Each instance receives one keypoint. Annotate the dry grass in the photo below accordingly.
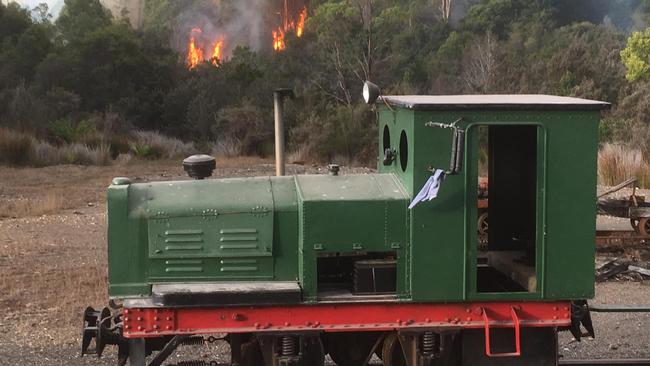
(15, 147)
(152, 144)
(227, 147)
(298, 156)
(23, 207)
(241, 161)
(617, 163)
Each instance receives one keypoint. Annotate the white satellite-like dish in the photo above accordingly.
(370, 92)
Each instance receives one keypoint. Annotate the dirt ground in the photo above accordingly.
(53, 264)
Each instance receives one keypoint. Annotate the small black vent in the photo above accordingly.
(199, 166)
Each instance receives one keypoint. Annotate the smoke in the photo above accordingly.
(238, 23)
(458, 10)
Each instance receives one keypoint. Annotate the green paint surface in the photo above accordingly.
(268, 228)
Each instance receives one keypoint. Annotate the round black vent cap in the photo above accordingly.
(199, 166)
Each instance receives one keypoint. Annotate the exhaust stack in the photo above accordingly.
(278, 100)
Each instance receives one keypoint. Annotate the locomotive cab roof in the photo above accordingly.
(493, 102)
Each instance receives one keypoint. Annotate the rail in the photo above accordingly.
(622, 362)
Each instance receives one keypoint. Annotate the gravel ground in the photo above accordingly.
(53, 265)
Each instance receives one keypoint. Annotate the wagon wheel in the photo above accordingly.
(313, 353)
(349, 349)
(641, 225)
(251, 354)
(483, 224)
(391, 352)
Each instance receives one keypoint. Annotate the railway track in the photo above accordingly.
(621, 362)
(598, 362)
(614, 239)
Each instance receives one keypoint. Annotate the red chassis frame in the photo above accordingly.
(158, 321)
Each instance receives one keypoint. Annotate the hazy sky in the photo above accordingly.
(55, 5)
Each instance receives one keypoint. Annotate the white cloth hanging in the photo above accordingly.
(430, 189)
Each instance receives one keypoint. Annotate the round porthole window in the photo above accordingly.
(403, 150)
(386, 138)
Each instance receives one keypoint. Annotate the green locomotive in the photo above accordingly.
(293, 268)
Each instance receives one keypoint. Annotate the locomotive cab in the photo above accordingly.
(537, 153)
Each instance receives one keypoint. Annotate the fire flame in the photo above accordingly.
(278, 40)
(288, 24)
(300, 28)
(217, 53)
(194, 54)
(196, 51)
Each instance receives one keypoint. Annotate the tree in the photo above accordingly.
(78, 18)
(636, 56)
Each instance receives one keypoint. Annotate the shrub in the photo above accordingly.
(70, 132)
(342, 132)
(86, 155)
(15, 148)
(243, 129)
(227, 147)
(45, 154)
(617, 163)
(145, 151)
(153, 145)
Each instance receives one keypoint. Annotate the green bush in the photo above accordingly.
(68, 131)
(145, 151)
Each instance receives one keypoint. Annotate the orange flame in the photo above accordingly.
(301, 22)
(278, 40)
(288, 25)
(217, 53)
(197, 51)
(194, 54)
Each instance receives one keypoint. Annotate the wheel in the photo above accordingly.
(350, 349)
(643, 226)
(313, 352)
(483, 224)
(391, 352)
(635, 224)
(137, 355)
(251, 354)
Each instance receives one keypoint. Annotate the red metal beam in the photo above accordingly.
(155, 322)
